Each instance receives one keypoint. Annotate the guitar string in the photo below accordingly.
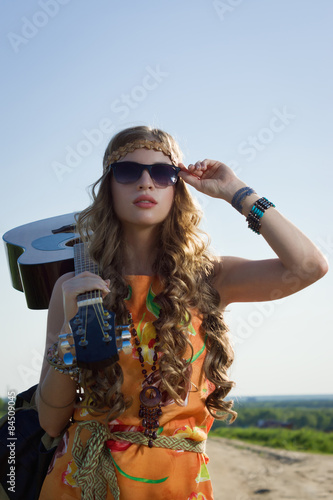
(98, 306)
(95, 294)
(84, 262)
(84, 316)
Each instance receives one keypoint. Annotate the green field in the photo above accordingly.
(312, 414)
(311, 420)
(296, 440)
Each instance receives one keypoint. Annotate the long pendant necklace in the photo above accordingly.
(150, 396)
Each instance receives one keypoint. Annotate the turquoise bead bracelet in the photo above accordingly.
(256, 213)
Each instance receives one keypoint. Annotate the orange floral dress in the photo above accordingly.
(144, 473)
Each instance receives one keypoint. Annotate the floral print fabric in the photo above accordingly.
(144, 472)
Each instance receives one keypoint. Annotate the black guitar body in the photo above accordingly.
(38, 253)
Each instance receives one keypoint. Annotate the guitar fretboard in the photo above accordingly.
(83, 262)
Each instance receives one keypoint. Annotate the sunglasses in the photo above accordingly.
(128, 172)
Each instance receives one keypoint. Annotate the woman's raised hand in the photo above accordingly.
(212, 177)
(83, 282)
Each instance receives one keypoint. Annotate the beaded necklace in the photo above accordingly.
(150, 396)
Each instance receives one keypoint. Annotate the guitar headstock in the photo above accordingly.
(94, 335)
(94, 331)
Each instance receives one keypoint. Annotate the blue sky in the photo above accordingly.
(244, 82)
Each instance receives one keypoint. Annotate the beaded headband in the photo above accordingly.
(139, 144)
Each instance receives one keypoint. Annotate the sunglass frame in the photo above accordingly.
(142, 168)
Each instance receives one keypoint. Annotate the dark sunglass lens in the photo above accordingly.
(126, 172)
(164, 175)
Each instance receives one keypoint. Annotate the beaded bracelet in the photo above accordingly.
(58, 364)
(239, 197)
(256, 213)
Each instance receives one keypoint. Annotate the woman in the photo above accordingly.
(139, 427)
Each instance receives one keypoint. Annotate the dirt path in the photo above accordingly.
(242, 471)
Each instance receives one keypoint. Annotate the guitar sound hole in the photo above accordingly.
(71, 243)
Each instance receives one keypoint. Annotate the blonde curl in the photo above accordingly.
(186, 269)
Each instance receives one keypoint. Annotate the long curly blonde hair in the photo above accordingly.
(185, 268)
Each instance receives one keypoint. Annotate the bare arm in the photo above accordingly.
(299, 262)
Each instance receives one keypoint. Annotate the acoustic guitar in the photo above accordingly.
(38, 254)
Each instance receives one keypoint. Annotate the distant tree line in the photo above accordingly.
(311, 416)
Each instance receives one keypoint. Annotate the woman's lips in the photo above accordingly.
(145, 201)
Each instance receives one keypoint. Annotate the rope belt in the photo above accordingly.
(95, 464)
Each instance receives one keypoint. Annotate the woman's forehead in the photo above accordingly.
(146, 156)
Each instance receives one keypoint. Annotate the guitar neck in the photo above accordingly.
(83, 262)
(94, 330)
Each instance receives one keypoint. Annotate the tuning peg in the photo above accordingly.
(65, 336)
(65, 346)
(80, 331)
(124, 329)
(68, 358)
(107, 338)
(126, 336)
(124, 342)
(83, 342)
(126, 347)
(77, 320)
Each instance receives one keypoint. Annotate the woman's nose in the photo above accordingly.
(145, 181)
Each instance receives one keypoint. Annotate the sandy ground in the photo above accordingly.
(242, 471)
